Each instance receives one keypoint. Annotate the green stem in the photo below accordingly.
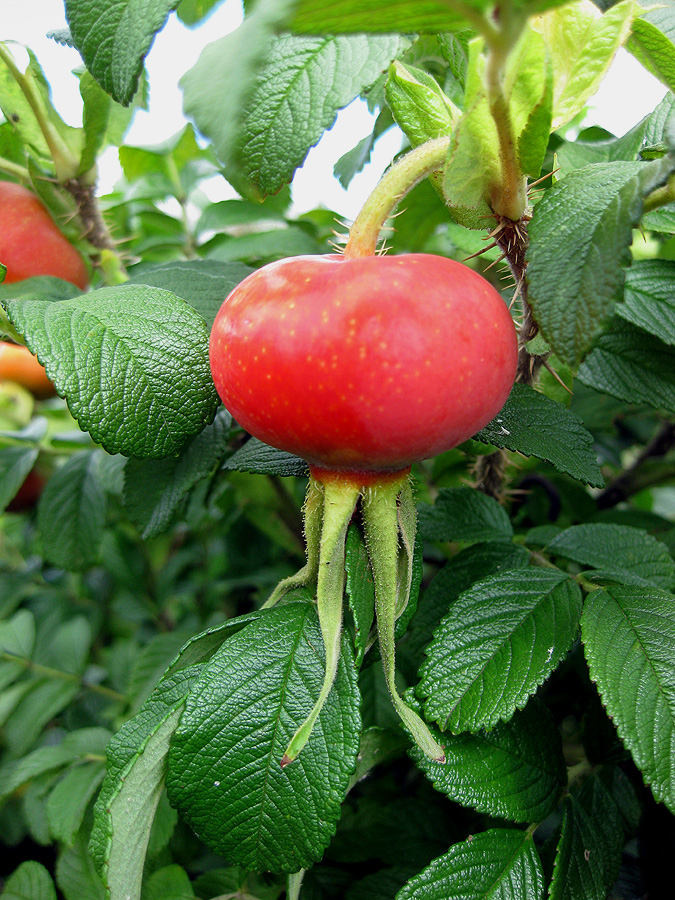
(65, 163)
(662, 196)
(12, 168)
(339, 502)
(381, 526)
(48, 671)
(401, 178)
(313, 515)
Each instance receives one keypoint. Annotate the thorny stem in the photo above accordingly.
(401, 178)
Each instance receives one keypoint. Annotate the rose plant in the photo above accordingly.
(353, 573)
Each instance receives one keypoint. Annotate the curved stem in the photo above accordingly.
(660, 197)
(12, 168)
(401, 178)
(339, 503)
(381, 525)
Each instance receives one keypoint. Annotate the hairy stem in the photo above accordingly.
(401, 178)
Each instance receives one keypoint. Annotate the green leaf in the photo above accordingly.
(299, 90)
(474, 171)
(68, 801)
(255, 692)
(76, 875)
(653, 49)
(580, 238)
(42, 703)
(71, 512)
(15, 464)
(648, 301)
(418, 104)
(632, 365)
(132, 362)
(133, 785)
(629, 641)
(72, 749)
(360, 589)
(30, 881)
(17, 635)
(582, 44)
(421, 16)
(201, 647)
(261, 459)
(113, 38)
(534, 425)
(169, 883)
(155, 488)
(472, 564)
(580, 153)
(204, 283)
(464, 514)
(579, 866)
(620, 552)
(515, 771)
(500, 640)
(499, 863)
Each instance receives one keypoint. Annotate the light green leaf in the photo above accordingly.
(652, 47)
(113, 38)
(155, 488)
(235, 795)
(619, 552)
(500, 640)
(632, 365)
(580, 236)
(31, 881)
(71, 512)
(499, 864)
(579, 868)
(76, 875)
(360, 589)
(298, 93)
(46, 699)
(464, 514)
(15, 464)
(169, 883)
(649, 301)
(629, 641)
(312, 17)
(534, 425)
(515, 771)
(133, 785)
(582, 44)
(420, 107)
(132, 362)
(68, 801)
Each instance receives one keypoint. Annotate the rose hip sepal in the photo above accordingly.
(362, 366)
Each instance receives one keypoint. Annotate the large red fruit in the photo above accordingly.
(364, 364)
(30, 242)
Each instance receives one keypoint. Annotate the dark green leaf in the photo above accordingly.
(68, 801)
(514, 771)
(579, 863)
(632, 365)
(261, 459)
(628, 554)
(464, 514)
(580, 236)
(132, 362)
(254, 693)
(168, 883)
(500, 863)
(535, 425)
(500, 640)
(76, 875)
(71, 512)
(204, 283)
(649, 301)
(114, 37)
(629, 640)
(155, 488)
(360, 589)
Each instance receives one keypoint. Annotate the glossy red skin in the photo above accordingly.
(30, 242)
(365, 364)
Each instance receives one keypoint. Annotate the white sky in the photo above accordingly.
(626, 96)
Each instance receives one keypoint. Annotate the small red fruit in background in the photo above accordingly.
(364, 364)
(31, 243)
(18, 364)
